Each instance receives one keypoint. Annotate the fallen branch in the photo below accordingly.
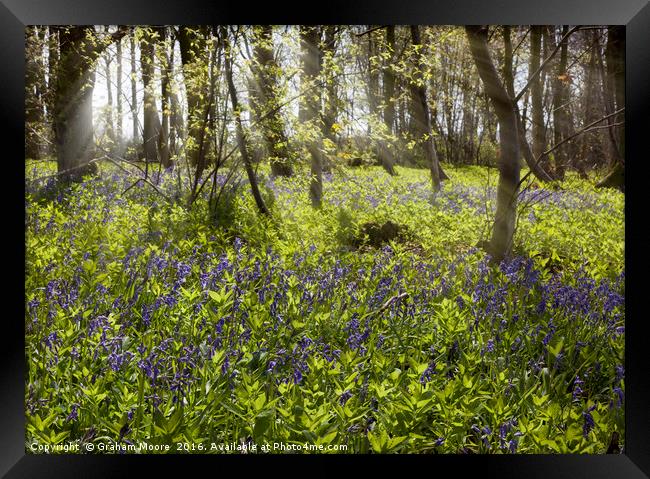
(387, 304)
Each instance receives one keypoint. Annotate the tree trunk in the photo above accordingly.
(331, 97)
(615, 57)
(110, 130)
(192, 48)
(73, 117)
(120, 120)
(421, 110)
(241, 140)
(504, 223)
(50, 100)
(373, 83)
(589, 147)
(134, 96)
(176, 124)
(265, 103)
(311, 64)
(165, 86)
(151, 124)
(524, 147)
(73, 109)
(560, 117)
(508, 75)
(537, 112)
(387, 157)
(34, 95)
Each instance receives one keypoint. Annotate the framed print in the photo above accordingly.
(388, 232)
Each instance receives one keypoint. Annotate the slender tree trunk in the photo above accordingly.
(615, 57)
(311, 63)
(504, 223)
(192, 47)
(537, 112)
(151, 125)
(589, 146)
(52, 62)
(609, 108)
(165, 86)
(73, 113)
(421, 111)
(120, 119)
(134, 96)
(387, 157)
(266, 100)
(34, 94)
(331, 101)
(73, 109)
(373, 82)
(110, 130)
(241, 140)
(176, 125)
(331, 86)
(524, 147)
(559, 108)
(508, 75)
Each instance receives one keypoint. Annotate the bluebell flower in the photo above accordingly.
(51, 340)
(428, 372)
(297, 376)
(620, 373)
(619, 396)
(589, 423)
(73, 413)
(512, 445)
(577, 389)
(345, 397)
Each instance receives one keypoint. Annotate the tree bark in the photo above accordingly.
(311, 64)
(331, 97)
(34, 94)
(120, 119)
(134, 96)
(373, 83)
(192, 48)
(165, 86)
(590, 148)
(241, 140)
(560, 117)
(615, 57)
(73, 114)
(421, 111)
(151, 124)
(176, 124)
(536, 93)
(110, 129)
(504, 223)
(73, 109)
(50, 100)
(531, 160)
(266, 99)
(387, 157)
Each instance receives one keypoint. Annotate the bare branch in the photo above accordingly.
(543, 65)
(371, 30)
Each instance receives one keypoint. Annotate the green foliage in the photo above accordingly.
(146, 321)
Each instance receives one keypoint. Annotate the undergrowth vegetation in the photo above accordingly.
(147, 321)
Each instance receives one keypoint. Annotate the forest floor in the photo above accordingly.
(372, 324)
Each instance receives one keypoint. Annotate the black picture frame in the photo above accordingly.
(635, 14)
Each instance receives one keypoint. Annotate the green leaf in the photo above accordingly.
(262, 423)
